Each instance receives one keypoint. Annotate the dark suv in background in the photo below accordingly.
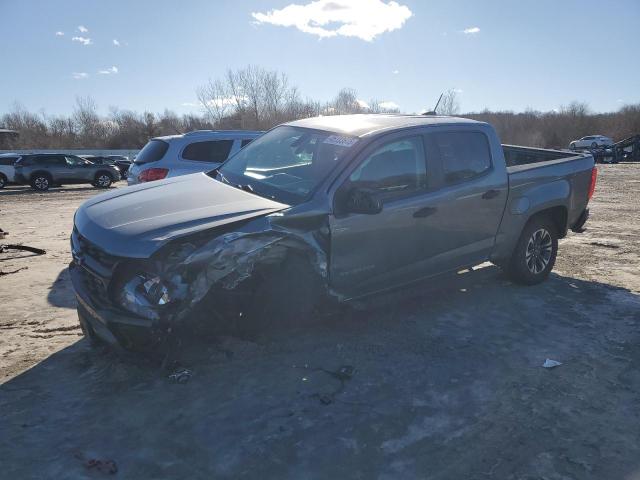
(120, 161)
(45, 170)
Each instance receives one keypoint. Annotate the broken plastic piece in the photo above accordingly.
(181, 375)
(104, 466)
(548, 363)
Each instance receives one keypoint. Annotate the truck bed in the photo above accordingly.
(527, 157)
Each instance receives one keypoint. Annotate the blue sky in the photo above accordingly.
(515, 54)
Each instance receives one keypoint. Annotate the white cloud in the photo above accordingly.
(364, 19)
(82, 29)
(59, 34)
(471, 30)
(116, 42)
(396, 72)
(217, 102)
(389, 105)
(80, 75)
(362, 104)
(109, 71)
(82, 40)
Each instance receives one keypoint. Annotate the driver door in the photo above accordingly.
(371, 252)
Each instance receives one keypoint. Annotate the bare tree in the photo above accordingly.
(449, 104)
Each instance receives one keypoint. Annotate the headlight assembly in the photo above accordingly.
(145, 294)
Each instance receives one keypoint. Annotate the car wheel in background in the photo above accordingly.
(103, 180)
(535, 253)
(594, 145)
(41, 181)
(3, 181)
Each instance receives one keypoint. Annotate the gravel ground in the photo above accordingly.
(437, 382)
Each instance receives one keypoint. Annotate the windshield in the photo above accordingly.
(286, 164)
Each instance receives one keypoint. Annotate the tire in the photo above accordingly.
(41, 182)
(103, 180)
(3, 181)
(535, 253)
(286, 298)
(594, 145)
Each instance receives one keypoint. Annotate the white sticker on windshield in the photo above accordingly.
(340, 140)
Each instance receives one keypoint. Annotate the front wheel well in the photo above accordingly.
(558, 215)
(40, 173)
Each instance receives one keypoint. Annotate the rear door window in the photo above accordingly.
(153, 151)
(464, 155)
(246, 142)
(214, 151)
(51, 160)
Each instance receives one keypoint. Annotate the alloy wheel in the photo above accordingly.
(539, 250)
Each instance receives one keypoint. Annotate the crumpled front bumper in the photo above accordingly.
(104, 321)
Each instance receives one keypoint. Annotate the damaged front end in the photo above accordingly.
(203, 280)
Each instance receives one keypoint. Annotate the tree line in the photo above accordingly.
(254, 98)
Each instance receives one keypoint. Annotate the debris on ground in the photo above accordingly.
(6, 247)
(548, 363)
(343, 374)
(103, 466)
(3, 234)
(12, 271)
(181, 375)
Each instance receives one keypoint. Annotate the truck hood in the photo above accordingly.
(135, 221)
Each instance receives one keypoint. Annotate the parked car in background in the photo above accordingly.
(341, 206)
(123, 163)
(591, 141)
(7, 170)
(45, 170)
(193, 152)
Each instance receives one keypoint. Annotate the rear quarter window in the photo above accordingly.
(215, 151)
(464, 155)
(8, 160)
(153, 151)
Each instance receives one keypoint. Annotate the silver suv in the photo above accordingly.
(175, 155)
(42, 171)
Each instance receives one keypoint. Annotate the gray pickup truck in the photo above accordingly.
(324, 208)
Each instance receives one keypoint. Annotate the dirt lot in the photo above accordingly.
(447, 383)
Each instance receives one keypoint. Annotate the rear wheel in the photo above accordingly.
(535, 253)
(103, 180)
(3, 181)
(594, 145)
(41, 181)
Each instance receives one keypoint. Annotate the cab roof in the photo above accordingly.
(361, 125)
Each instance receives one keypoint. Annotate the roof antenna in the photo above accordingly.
(433, 112)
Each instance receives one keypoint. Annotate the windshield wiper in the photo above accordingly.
(247, 188)
(217, 172)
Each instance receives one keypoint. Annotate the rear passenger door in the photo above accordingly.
(55, 165)
(469, 198)
(205, 155)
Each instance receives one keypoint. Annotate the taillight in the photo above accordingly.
(153, 174)
(592, 185)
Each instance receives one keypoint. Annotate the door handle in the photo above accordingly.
(490, 194)
(425, 212)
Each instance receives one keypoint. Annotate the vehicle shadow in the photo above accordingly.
(61, 292)
(446, 380)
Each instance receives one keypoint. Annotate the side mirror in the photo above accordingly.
(361, 200)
